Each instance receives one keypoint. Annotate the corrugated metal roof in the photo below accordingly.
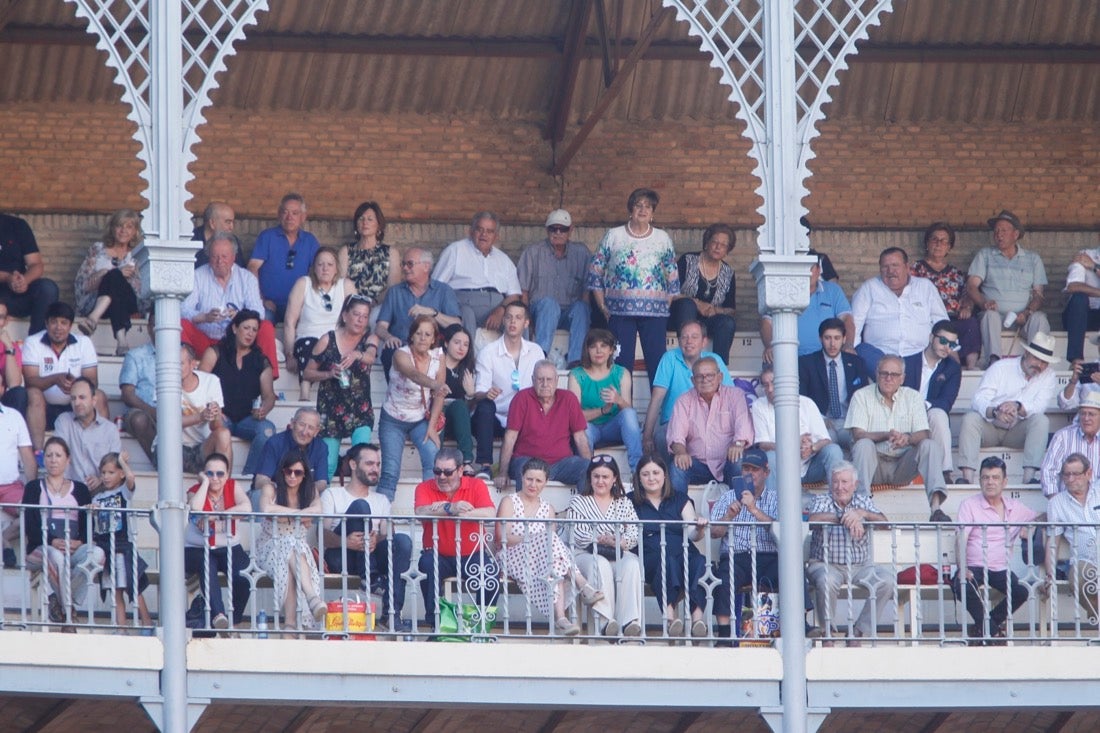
(944, 86)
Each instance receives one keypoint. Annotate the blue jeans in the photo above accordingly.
(257, 431)
(698, 473)
(377, 573)
(651, 330)
(623, 428)
(568, 470)
(1078, 318)
(391, 437)
(549, 316)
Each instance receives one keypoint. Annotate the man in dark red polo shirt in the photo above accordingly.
(541, 421)
(444, 503)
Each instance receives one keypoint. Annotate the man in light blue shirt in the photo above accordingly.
(827, 300)
(672, 379)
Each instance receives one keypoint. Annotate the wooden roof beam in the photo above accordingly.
(541, 48)
(576, 31)
(612, 92)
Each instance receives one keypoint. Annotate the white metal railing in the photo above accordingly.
(911, 586)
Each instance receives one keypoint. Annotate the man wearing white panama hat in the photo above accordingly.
(1009, 408)
(1078, 437)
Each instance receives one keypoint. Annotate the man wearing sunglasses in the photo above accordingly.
(418, 295)
(894, 312)
(552, 275)
(441, 503)
(482, 275)
(283, 254)
(936, 376)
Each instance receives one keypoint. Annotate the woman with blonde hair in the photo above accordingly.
(108, 281)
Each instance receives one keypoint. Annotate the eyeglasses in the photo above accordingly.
(890, 375)
(409, 263)
(448, 472)
(515, 380)
(600, 459)
(944, 342)
(214, 474)
(358, 298)
(291, 255)
(326, 300)
(295, 472)
(1073, 474)
(705, 376)
(557, 229)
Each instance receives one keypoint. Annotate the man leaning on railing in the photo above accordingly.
(986, 551)
(451, 546)
(840, 555)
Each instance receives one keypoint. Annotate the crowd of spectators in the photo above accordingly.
(878, 377)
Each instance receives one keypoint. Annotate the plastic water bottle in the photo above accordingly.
(261, 625)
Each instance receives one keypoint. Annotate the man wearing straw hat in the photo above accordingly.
(1009, 408)
(1006, 282)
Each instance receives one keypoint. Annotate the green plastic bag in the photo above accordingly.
(465, 621)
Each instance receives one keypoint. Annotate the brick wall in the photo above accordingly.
(874, 185)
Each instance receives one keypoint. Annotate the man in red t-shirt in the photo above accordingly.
(451, 495)
(541, 422)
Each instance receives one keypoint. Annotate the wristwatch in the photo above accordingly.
(10, 351)
(447, 509)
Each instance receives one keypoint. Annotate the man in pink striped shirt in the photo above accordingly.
(709, 429)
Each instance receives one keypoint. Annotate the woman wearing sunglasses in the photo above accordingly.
(341, 362)
(367, 262)
(246, 375)
(311, 312)
(283, 549)
(602, 546)
(64, 528)
(211, 545)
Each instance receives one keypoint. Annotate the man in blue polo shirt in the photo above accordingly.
(672, 379)
(827, 300)
(418, 295)
(300, 436)
(281, 255)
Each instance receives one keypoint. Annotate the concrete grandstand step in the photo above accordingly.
(910, 503)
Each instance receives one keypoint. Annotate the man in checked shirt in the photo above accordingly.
(840, 555)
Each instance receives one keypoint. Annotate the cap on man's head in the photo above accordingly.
(1090, 399)
(1008, 216)
(754, 457)
(559, 217)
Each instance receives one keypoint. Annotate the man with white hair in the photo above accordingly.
(1009, 408)
(840, 555)
(1077, 437)
(551, 276)
(542, 419)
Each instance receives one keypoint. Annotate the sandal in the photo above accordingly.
(699, 628)
(675, 627)
(590, 595)
(318, 607)
(612, 628)
(566, 627)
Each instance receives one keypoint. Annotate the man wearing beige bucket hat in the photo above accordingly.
(1006, 282)
(1009, 408)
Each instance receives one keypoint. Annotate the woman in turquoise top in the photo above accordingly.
(605, 391)
(633, 276)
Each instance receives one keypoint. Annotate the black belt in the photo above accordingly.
(478, 290)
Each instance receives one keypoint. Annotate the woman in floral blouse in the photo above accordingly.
(939, 240)
(368, 263)
(108, 282)
(633, 277)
